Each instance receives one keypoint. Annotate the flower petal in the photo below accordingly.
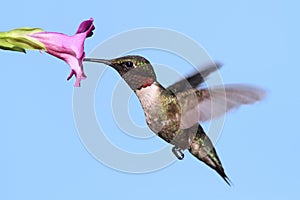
(68, 48)
(77, 70)
(86, 27)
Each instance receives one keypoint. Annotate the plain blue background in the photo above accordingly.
(42, 156)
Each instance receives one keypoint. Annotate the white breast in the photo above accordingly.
(151, 103)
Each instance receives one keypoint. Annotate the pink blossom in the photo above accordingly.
(68, 48)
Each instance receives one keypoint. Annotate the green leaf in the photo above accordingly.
(7, 46)
(20, 40)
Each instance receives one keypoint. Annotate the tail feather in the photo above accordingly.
(203, 149)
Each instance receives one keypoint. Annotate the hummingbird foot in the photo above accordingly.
(178, 152)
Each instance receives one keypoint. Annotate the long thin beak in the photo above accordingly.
(98, 60)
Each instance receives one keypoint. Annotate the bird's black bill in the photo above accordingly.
(98, 60)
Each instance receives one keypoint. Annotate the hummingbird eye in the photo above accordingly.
(129, 64)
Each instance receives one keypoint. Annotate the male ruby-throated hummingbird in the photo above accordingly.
(174, 113)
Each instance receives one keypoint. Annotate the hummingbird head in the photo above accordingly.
(137, 71)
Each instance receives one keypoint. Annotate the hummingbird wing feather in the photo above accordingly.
(209, 103)
(196, 79)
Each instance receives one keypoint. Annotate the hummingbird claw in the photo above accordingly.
(178, 152)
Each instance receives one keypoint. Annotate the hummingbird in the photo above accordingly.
(174, 113)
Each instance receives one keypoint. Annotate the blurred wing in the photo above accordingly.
(209, 103)
(194, 80)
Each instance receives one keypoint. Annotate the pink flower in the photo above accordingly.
(68, 48)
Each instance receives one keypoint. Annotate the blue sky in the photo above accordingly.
(42, 156)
